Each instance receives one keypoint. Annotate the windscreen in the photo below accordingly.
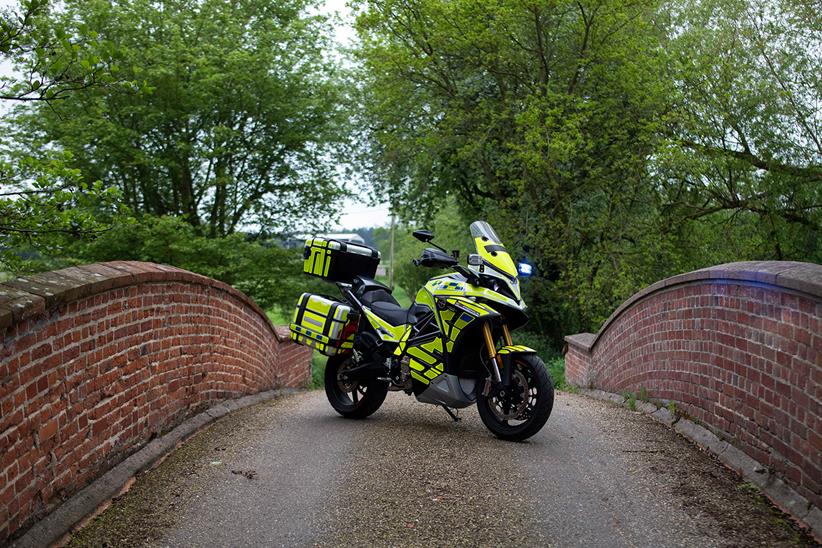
(491, 250)
(481, 228)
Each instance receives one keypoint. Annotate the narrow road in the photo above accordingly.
(291, 473)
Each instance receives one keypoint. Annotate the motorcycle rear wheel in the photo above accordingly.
(352, 399)
(526, 418)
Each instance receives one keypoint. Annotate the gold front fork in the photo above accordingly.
(506, 335)
(492, 348)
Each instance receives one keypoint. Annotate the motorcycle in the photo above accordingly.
(452, 347)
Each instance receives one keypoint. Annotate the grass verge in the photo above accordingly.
(317, 370)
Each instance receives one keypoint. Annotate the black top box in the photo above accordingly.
(339, 261)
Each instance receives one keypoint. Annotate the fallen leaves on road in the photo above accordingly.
(247, 473)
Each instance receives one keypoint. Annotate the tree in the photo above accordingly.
(538, 116)
(52, 60)
(746, 144)
(270, 274)
(43, 199)
(621, 141)
(237, 123)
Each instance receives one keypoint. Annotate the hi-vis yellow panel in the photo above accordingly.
(496, 256)
(415, 375)
(516, 349)
(425, 361)
(385, 330)
(432, 373)
(319, 257)
(319, 323)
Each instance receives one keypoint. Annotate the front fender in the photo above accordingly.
(515, 349)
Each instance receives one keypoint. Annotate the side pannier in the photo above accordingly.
(339, 261)
(323, 324)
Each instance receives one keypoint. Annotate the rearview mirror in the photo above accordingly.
(423, 235)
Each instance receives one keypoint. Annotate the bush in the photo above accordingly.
(318, 362)
(269, 274)
(548, 352)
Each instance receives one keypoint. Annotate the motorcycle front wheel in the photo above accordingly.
(352, 399)
(523, 412)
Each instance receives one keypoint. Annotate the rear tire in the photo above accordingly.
(537, 392)
(352, 400)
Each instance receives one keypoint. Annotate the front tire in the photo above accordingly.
(352, 399)
(535, 394)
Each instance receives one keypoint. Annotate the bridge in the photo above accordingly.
(172, 395)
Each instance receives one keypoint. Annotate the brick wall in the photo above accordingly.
(97, 360)
(737, 347)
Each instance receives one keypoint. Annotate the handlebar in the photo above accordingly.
(470, 276)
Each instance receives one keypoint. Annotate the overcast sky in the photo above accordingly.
(356, 213)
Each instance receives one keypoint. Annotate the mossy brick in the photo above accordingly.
(54, 287)
(17, 305)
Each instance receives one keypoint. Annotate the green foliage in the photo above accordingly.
(643, 395)
(54, 59)
(451, 232)
(44, 206)
(269, 274)
(556, 367)
(318, 362)
(745, 149)
(237, 120)
(630, 400)
(613, 143)
(45, 201)
(539, 342)
(547, 352)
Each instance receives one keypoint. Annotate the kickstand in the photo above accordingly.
(451, 413)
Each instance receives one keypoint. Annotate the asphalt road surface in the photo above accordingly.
(291, 472)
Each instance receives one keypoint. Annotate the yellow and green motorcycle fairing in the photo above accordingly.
(457, 306)
(429, 352)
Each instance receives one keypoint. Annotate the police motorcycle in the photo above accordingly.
(452, 347)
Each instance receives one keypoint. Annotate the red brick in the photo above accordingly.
(48, 430)
(206, 343)
(754, 349)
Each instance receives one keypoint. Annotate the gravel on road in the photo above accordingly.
(290, 472)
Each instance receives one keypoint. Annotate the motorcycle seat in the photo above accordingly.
(391, 312)
(378, 298)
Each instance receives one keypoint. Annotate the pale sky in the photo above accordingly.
(355, 213)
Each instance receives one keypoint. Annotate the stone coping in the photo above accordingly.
(805, 278)
(27, 296)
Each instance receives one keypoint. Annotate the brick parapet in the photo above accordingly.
(738, 347)
(96, 360)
